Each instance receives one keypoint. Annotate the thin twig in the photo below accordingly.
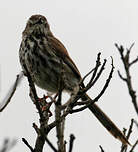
(51, 145)
(36, 128)
(101, 148)
(131, 46)
(90, 102)
(27, 144)
(130, 129)
(133, 147)
(121, 77)
(125, 59)
(87, 75)
(96, 67)
(72, 138)
(107, 82)
(124, 147)
(11, 92)
(91, 83)
(134, 61)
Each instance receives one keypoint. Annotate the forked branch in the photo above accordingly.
(125, 57)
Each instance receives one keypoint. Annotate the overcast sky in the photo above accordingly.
(85, 27)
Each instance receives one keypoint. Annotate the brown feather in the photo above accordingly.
(61, 52)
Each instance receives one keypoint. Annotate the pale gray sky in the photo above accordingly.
(85, 27)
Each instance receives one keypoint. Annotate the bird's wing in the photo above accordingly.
(60, 51)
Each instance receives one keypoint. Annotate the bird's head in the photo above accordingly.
(37, 25)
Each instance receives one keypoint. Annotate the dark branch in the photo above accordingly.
(101, 148)
(130, 129)
(131, 47)
(99, 95)
(11, 92)
(121, 77)
(124, 147)
(127, 64)
(98, 63)
(134, 61)
(91, 83)
(51, 145)
(28, 145)
(72, 138)
(87, 75)
(106, 84)
(133, 147)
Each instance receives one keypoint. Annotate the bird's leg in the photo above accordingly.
(45, 106)
(44, 98)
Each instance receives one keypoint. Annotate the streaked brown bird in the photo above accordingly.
(42, 54)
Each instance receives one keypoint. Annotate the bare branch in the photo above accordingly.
(101, 148)
(96, 67)
(90, 102)
(131, 47)
(72, 138)
(93, 81)
(83, 90)
(130, 129)
(134, 61)
(127, 64)
(124, 147)
(28, 145)
(11, 92)
(51, 145)
(121, 77)
(133, 147)
(87, 75)
(36, 128)
(106, 84)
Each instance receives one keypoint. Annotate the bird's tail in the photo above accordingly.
(106, 122)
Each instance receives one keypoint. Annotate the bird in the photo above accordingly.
(42, 53)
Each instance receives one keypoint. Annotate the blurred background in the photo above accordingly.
(85, 27)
